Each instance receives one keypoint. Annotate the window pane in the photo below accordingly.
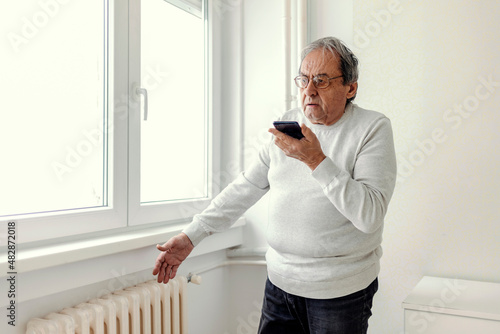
(173, 139)
(54, 83)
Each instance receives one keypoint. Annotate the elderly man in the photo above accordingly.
(329, 193)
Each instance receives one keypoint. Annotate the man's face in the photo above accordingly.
(324, 105)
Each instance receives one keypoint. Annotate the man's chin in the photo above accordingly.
(313, 117)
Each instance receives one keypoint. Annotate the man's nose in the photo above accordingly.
(310, 89)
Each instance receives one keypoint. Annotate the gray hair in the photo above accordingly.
(347, 60)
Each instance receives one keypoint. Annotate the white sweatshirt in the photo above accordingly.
(325, 226)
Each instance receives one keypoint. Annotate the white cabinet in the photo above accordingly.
(447, 305)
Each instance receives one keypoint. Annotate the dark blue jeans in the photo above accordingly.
(290, 314)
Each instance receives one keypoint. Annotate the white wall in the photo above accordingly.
(331, 18)
(432, 67)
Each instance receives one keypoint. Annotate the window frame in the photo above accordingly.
(124, 212)
(168, 211)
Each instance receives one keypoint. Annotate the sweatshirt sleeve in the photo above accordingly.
(364, 196)
(232, 202)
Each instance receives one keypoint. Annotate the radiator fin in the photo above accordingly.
(147, 308)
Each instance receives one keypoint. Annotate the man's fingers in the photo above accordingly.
(174, 271)
(173, 252)
(159, 278)
(159, 261)
(168, 272)
(162, 248)
(273, 131)
(278, 134)
(305, 130)
(162, 272)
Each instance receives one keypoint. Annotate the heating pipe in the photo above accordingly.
(299, 38)
(287, 39)
(196, 279)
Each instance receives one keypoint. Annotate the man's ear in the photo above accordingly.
(353, 88)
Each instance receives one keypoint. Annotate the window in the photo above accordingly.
(79, 156)
(172, 68)
(52, 135)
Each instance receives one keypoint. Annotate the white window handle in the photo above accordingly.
(144, 92)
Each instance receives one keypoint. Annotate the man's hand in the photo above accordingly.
(173, 252)
(308, 149)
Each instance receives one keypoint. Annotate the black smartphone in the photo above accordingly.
(290, 128)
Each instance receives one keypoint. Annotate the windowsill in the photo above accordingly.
(80, 263)
(55, 255)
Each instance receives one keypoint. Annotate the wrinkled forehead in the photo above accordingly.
(320, 61)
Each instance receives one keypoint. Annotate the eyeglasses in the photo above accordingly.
(319, 81)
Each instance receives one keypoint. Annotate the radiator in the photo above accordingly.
(146, 308)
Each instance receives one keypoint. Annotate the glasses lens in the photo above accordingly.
(301, 81)
(321, 81)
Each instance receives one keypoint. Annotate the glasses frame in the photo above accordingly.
(313, 81)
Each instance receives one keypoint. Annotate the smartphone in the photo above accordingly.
(290, 128)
